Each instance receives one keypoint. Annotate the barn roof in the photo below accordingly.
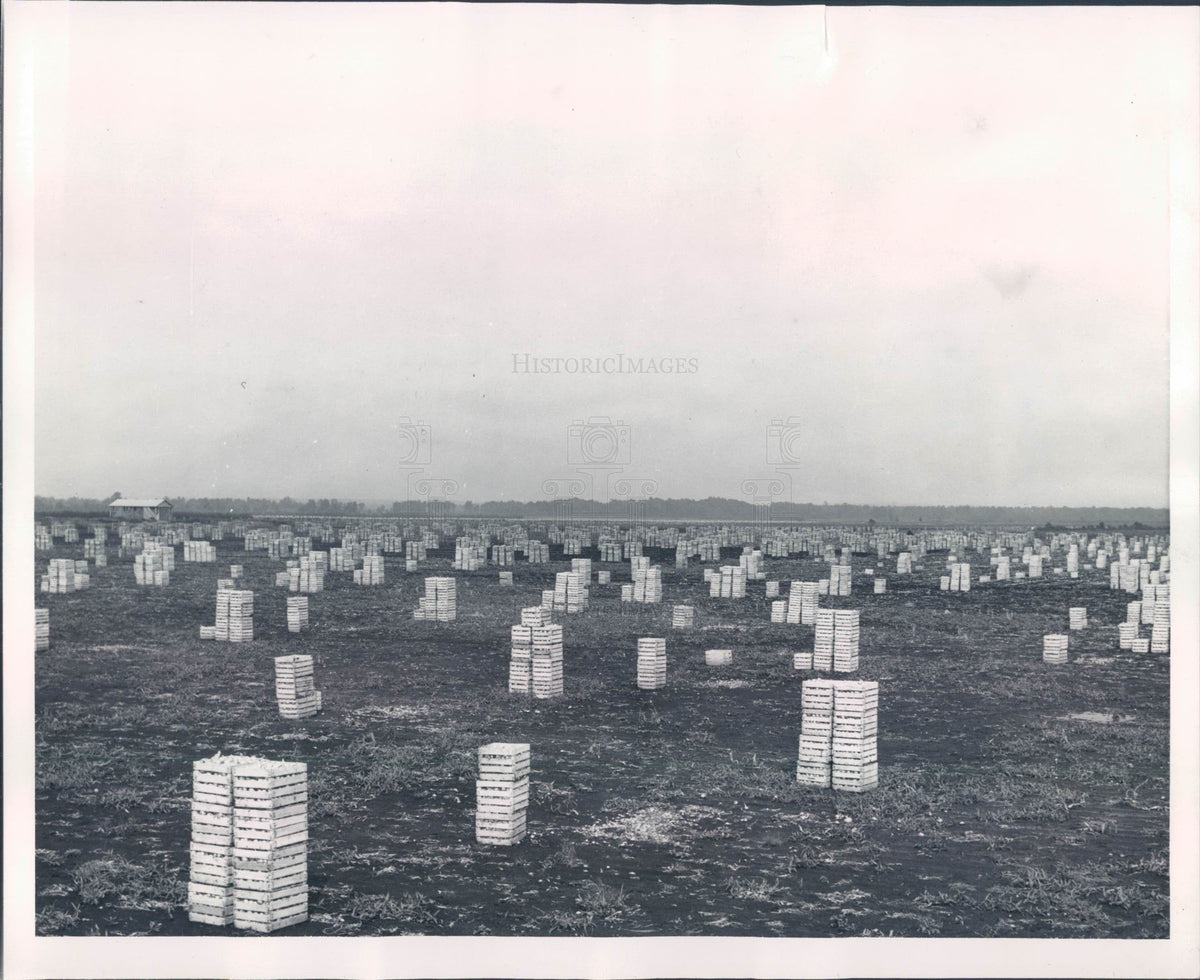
(125, 502)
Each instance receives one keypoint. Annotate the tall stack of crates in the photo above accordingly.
(520, 665)
(1160, 631)
(440, 602)
(42, 541)
(682, 617)
(838, 735)
(855, 730)
(297, 613)
(502, 793)
(779, 611)
(823, 641)
(294, 690)
(1077, 617)
(235, 615)
(546, 660)
(651, 663)
(270, 845)
(840, 580)
(249, 847)
(1126, 634)
(41, 629)
(845, 640)
(904, 563)
(372, 571)
(1054, 648)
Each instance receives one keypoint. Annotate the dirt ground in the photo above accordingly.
(1016, 799)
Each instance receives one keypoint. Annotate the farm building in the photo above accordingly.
(141, 510)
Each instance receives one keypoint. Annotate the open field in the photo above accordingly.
(1016, 799)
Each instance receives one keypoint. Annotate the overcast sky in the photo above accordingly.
(938, 240)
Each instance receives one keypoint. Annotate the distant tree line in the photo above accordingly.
(654, 510)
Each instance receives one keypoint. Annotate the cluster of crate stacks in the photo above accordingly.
(840, 579)
(149, 568)
(1054, 648)
(651, 663)
(503, 555)
(306, 574)
(42, 541)
(440, 602)
(646, 586)
(298, 698)
(199, 551)
(959, 579)
(750, 563)
(235, 617)
(69, 533)
(718, 658)
(570, 593)
(729, 582)
(372, 571)
(249, 847)
(1077, 617)
(609, 550)
(41, 629)
(469, 557)
(61, 577)
(414, 551)
(502, 793)
(880, 586)
(537, 552)
(94, 548)
(838, 735)
(904, 563)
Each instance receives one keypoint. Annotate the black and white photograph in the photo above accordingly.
(608, 490)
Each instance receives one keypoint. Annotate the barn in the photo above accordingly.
(141, 510)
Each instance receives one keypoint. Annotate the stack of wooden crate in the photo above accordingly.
(502, 793)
